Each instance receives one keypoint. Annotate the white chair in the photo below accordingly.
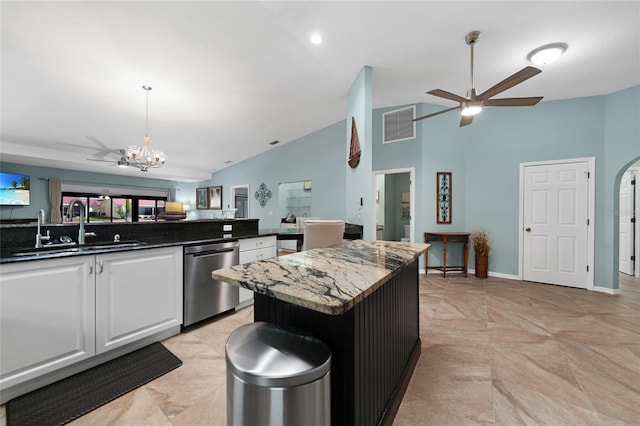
(300, 221)
(322, 233)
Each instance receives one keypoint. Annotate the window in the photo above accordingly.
(116, 209)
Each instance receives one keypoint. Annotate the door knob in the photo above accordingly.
(527, 229)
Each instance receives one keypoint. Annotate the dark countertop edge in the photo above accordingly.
(115, 248)
(34, 222)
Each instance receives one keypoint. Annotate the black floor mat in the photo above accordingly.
(68, 399)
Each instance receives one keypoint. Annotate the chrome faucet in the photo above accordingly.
(39, 237)
(81, 233)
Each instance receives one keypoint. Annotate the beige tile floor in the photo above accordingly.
(494, 351)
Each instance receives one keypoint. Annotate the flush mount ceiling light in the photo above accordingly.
(316, 38)
(144, 158)
(546, 54)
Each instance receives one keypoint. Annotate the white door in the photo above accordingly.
(555, 231)
(626, 226)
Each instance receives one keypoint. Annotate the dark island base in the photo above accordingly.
(375, 347)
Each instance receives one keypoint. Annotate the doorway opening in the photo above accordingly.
(394, 204)
(628, 234)
(240, 201)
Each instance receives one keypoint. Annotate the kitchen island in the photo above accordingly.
(361, 298)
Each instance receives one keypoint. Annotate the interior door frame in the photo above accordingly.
(591, 167)
(632, 240)
(412, 197)
(637, 224)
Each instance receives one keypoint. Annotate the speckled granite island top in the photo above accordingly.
(328, 280)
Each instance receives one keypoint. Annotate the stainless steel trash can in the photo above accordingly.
(277, 377)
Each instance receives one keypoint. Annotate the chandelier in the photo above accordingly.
(144, 158)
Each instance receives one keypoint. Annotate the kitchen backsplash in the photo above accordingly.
(15, 237)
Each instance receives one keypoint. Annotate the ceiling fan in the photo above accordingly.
(473, 103)
(121, 161)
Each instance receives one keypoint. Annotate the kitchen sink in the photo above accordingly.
(46, 251)
(52, 250)
(91, 247)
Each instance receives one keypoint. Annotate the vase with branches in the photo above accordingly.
(481, 241)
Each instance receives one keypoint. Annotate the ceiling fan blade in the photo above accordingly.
(517, 78)
(447, 95)
(466, 120)
(512, 101)
(100, 159)
(435, 113)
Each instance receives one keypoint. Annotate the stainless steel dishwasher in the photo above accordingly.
(203, 296)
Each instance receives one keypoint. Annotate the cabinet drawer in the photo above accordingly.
(260, 254)
(257, 243)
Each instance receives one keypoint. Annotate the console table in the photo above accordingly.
(444, 238)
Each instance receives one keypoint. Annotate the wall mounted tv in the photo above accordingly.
(14, 189)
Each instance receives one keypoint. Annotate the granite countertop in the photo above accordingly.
(329, 280)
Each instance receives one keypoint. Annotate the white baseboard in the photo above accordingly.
(607, 290)
(499, 275)
(473, 271)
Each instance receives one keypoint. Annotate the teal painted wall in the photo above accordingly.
(503, 138)
(318, 157)
(484, 159)
(40, 186)
(359, 184)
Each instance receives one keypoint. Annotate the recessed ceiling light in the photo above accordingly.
(546, 54)
(316, 38)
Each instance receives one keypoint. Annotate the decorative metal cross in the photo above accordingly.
(263, 194)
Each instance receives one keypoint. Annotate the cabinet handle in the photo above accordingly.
(259, 256)
(90, 267)
(101, 265)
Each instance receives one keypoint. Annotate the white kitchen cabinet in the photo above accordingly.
(57, 312)
(252, 249)
(46, 317)
(138, 293)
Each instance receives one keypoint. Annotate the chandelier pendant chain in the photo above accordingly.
(146, 120)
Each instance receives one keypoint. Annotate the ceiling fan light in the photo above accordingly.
(546, 54)
(316, 38)
(471, 110)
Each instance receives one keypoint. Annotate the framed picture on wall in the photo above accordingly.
(443, 200)
(215, 197)
(202, 200)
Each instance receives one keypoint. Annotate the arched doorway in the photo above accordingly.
(625, 217)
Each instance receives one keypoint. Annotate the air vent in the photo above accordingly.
(398, 125)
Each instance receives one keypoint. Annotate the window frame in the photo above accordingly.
(86, 196)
